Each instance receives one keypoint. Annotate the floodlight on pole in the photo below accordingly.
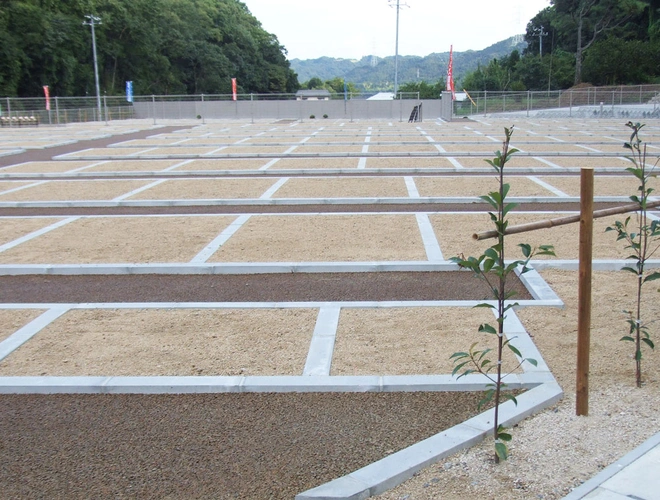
(92, 21)
(398, 6)
(540, 33)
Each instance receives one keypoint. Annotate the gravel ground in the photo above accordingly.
(282, 287)
(256, 446)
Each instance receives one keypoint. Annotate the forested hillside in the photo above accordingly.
(371, 73)
(163, 46)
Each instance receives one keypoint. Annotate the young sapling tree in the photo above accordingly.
(492, 267)
(642, 236)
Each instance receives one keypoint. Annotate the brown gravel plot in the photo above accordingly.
(105, 152)
(604, 185)
(337, 187)
(454, 233)
(75, 190)
(278, 287)
(555, 451)
(310, 149)
(219, 164)
(408, 341)
(14, 228)
(476, 186)
(325, 163)
(120, 240)
(167, 342)
(402, 162)
(186, 189)
(207, 446)
(324, 238)
(38, 167)
(134, 166)
(13, 319)
(409, 148)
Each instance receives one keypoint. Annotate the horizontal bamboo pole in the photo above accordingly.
(561, 221)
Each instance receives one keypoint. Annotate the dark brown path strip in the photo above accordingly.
(284, 287)
(48, 153)
(226, 446)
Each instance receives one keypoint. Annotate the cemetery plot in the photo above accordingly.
(338, 187)
(74, 190)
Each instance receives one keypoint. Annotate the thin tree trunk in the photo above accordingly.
(578, 53)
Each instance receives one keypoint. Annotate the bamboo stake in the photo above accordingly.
(560, 221)
(584, 290)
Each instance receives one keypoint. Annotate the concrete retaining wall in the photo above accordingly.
(296, 110)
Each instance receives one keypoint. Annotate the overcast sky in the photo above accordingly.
(355, 28)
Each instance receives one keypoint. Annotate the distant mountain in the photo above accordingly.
(375, 73)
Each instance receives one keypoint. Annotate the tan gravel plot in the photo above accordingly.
(180, 151)
(35, 144)
(471, 148)
(579, 162)
(145, 143)
(461, 138)
(121, 240)
(206, 189)
(397, 138)
(7, 185)
(320, 163)
(75, 190)
(222, 164)
(290, 141)
(408, 341)
(39, 167)
(607, 148)
(273, 150)
(604, 185)
(476, 186)
(134, 166)
(516, 161)
(349, 139)
(454, 233)
(554, 148)
(336, 187)
(408, 148)
(308, 149)
(168, 342)
(16, 227)
(324, 238)
(13, 319)
(106, 152)
(404, 162)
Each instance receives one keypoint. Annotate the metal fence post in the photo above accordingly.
(105, 108)
(570, 104)
(153, 106)
(528, 96)
(485, 101)
(57, 110)
(203, 113)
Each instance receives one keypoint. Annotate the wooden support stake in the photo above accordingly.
(584, 290)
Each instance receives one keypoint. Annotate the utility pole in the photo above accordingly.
(398, 6)
(540, 33)
(91, 21)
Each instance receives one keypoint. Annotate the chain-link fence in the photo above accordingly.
(588, 101)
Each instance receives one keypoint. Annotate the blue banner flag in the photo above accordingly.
(129, 91)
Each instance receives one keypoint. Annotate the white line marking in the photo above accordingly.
(322, 345)
(139, 190)
(214, 151)
(271, 191)
(588, 148)
(290, 150)
(168, 169)
(220, 240)
(547, 186)
(555, 139)
(80, 169)
(21, 188)
(412, 188)
(142, 152)
(431, 245)
(270, 164)
(37, 233)
(547, 162)
(21, 336)
(362, 163)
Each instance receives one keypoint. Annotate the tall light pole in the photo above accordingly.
(398, 7)
(91, 21)
(540, 33)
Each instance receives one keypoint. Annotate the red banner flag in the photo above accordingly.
(233, 89)
(450, 74)
(47, 94)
